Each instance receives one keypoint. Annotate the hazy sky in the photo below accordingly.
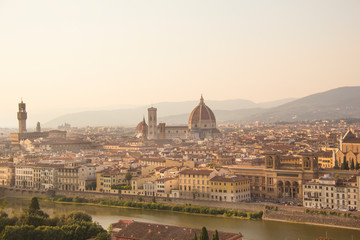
(62, 56)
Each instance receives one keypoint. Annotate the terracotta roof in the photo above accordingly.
(352, 140)
(327, 154)
(201, 112)
(196, 171)
(141, 230)
(228, 179)
(153, 159)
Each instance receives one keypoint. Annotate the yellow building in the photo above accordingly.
(195, 183)
(230, 188)
(326, 159)
(109, 177)
(7, 174)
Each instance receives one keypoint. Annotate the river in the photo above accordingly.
(251, 229)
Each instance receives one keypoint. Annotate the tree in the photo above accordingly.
(336, 166)
(345, 165)
(34, 205)
(34, 209)
(195, 237)
(102, 236)
(352, 165)
(2, 206)
(128, 177)
(357, 166)
(215, 235)
(76, 217)
(204, 234)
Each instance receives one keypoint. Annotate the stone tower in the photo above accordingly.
(152, 118)
(22, 116)
(38, 127)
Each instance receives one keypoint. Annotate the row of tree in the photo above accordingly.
(345, 165)
(162, 206)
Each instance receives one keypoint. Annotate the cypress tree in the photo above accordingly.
(357, 166)
(215, 235)
(352, 166)
(195, 237)
(34, 205)
(204, 234)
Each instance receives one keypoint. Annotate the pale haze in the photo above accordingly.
(66, 56)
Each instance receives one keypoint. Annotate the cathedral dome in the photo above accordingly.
(202, 116)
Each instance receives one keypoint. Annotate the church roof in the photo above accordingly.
(201, 112)
(350, 137)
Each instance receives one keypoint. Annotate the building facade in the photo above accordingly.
(332, 193)
(195, 183)
(24, 176)
(230, 188)
(7, 174)
(277, 180)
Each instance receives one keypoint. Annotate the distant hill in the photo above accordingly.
(337, 103)
(221, 116)
(169, 112)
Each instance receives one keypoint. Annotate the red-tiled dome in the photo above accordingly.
(201, 113)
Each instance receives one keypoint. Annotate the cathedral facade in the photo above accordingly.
(202, 124)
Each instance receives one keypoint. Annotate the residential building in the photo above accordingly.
(110, 177)
(7, 174)
(333, 193)
(195, 183)
(68, 177)
(230, 188)
(24, 176)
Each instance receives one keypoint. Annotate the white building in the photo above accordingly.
(24, 176)
(331, 193)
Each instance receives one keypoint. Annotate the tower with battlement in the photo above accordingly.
(22, 116)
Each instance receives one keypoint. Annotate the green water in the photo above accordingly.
(251, 229)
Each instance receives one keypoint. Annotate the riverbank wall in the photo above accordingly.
(23, 193)
(282, 213)
(27, 193)
(325, 218)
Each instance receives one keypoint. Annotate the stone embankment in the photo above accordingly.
(311, 216)
(27, 193)
(282, 213)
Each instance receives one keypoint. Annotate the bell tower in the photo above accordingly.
(22, 116)
(152, 119)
